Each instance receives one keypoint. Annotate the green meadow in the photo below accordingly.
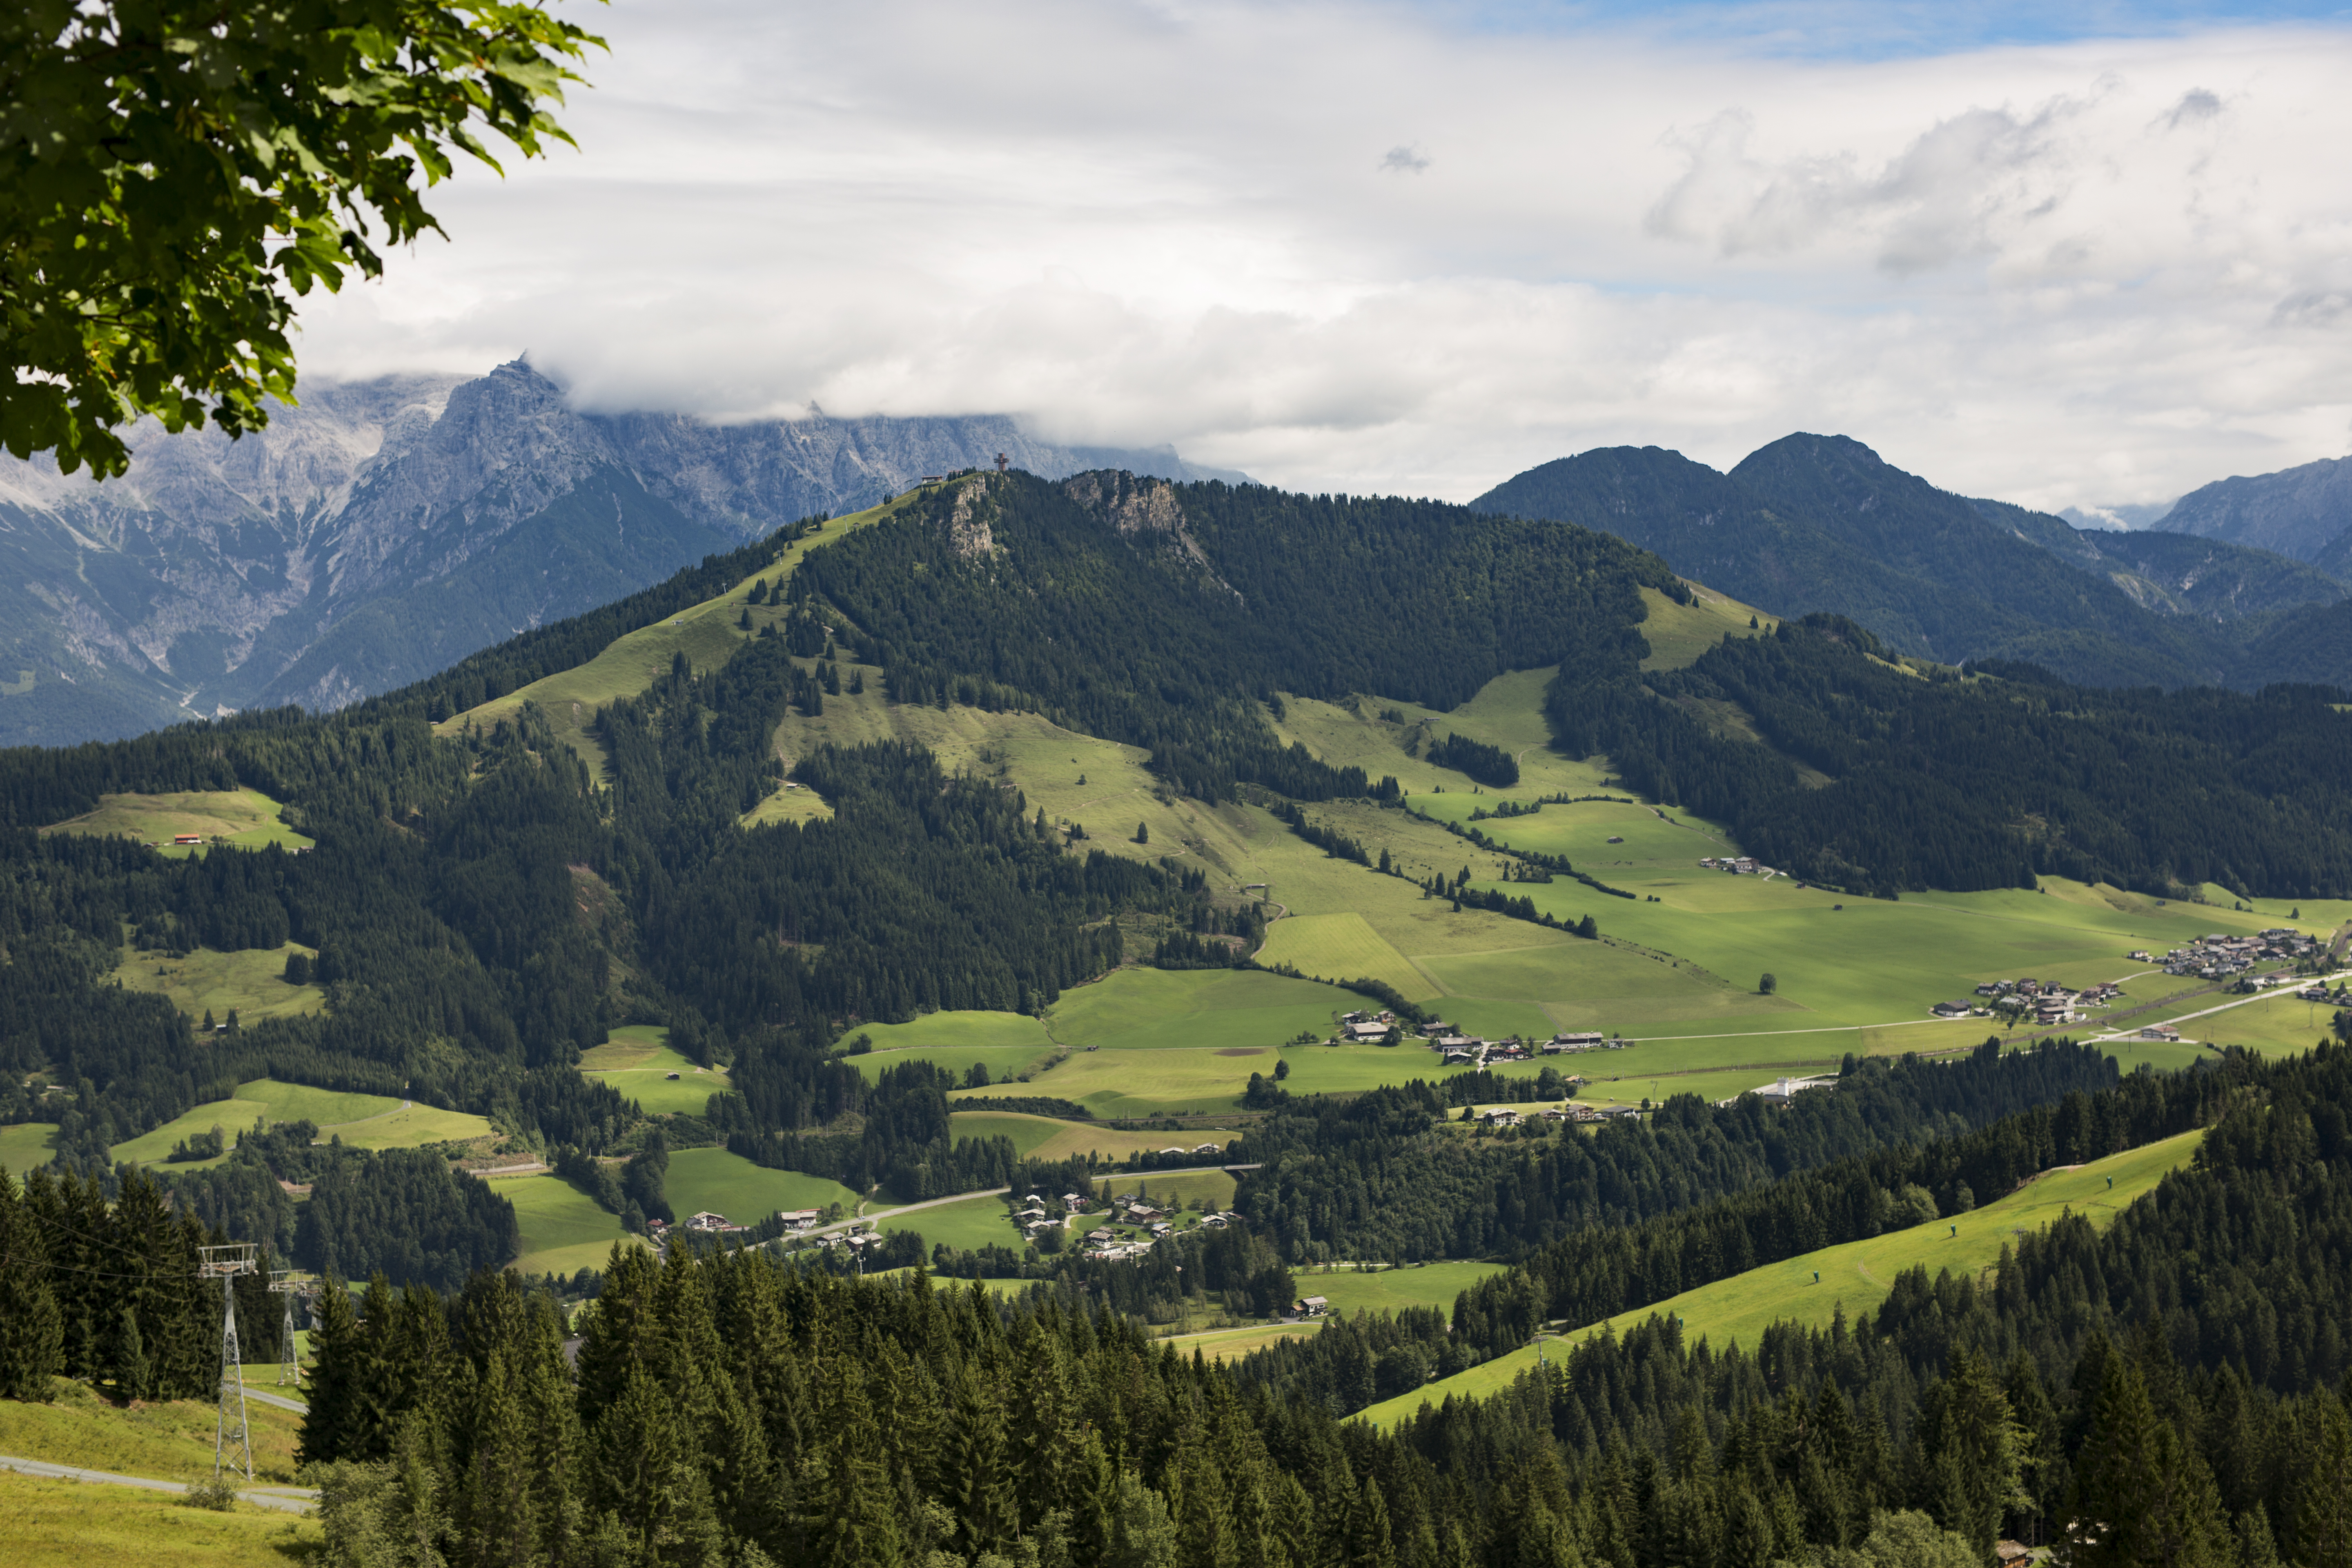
(252, 983)
(1344, 947)
(1852, 1277)
(1009, 1044)
(26, 1145)
(1232, 1344)
(715, 1182)
(1388, 1290)
(53, 1521)
(965, 1226)
(1209, 1189)
(245, 819)
(1678, 634)
(563, 1231)
(637, 1061)
(1051, 1138)
(706, 632)
(171, 1440)
(361, 1121)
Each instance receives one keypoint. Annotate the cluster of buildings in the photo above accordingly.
(703, 1224)
(2218, 956)
(1140, 1215)
(1474, 1050)
(1510, 1116)
(2048, 1001)
(1737, 866)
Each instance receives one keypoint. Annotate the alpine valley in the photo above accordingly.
(794, 994)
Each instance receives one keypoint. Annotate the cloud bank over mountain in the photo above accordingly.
(1371, 249)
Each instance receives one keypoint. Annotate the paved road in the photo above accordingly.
(288, 1500)
(894, 1213)
(279, 1399)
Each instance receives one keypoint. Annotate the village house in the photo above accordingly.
(1951, 1009)
(1582, 1040)
(797, 1219)
(1311, 1306)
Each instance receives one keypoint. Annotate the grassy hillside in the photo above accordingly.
(964, 1225)
(1677, 968)
(1855, 1276)
(707, 633)
(53, 1521)
(26, 1144)
(637, 1061)
(1678, 634)
(252, 982)
(713, 1180)
(1387, 1289)
(1048, 1138)
(245, 819)
(563, 1231)
(362, 1120)
(172, 1441)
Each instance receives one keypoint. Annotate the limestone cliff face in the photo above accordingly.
(385, 529)
(1146, 512)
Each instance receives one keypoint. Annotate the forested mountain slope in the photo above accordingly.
(2304, 513)
(1816, 523)
(385, 529)
(1981, 781)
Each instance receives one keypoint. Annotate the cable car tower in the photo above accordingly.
(226, 1264)
(292, 1284)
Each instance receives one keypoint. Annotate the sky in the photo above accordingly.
(2083, 256)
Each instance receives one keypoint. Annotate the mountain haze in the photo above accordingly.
(384, 529)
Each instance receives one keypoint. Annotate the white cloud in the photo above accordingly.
(2086, 273)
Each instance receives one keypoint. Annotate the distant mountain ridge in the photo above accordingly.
(384, 529)
(2304, 513)
(1821, 522)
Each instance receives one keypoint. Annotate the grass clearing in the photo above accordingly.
(55, 1522)
(1232, 1344)
(636, 1060)
(1052, 1138)
(965, 1226)
(1856, 1276)
(243, 819)
(26, 1146)
(411, 1127)
(793, 802)
(361, 1121)
(563, 1231)
(1678, 634)
(1212, 1188)
(718, 1182)
(1343, 947)
(171, 1441)
(252, 983)
(1008, 1044)
(1157, 1010)
(1387, 1289)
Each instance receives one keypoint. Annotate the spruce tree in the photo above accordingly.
(32, 1331)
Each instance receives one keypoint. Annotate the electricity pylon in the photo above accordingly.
(226, 1264)
(290, 1283)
